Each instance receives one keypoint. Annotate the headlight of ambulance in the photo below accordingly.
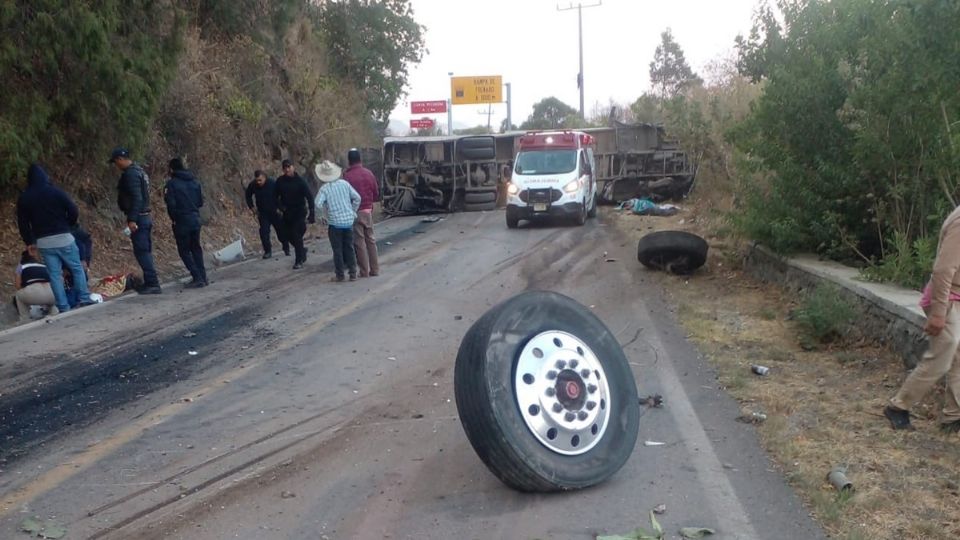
(572, 186)
(512, 189)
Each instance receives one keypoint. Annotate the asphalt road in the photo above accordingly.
(276, 404)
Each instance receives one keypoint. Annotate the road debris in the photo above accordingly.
(46, 529)
(190, 334)
(431, 219)
(696, 532)
(752, 418)
(760, 370)
(838, 479)
(640, 533)
(654, 443)
(287, 494)
(656, 400)
(660, 509)
(610, 260)
(192, 353)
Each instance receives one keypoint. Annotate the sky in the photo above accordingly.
(534, 47)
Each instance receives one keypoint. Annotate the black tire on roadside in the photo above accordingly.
(678, 252)
(503, 389)
(513, 218)
(479, 207)
(476, 197)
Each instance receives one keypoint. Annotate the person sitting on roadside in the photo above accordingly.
(33, 287)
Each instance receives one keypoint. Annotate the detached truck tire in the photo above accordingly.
(545, 394)
(677, 252)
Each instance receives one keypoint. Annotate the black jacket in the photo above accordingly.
(265, 195)
(133, 192)
(84, 243)
(43, 209)
(184, 197)
(294, 198)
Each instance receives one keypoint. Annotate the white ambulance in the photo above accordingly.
(553, 176)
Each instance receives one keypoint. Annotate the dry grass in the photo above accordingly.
(824, 407)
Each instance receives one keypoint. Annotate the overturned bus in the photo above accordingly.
(468, 172)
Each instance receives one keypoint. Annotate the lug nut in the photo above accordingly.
(582, 415)
(569, 417)
(557, 407)
(591, 405)
(551, 375)
(561, 364)
(585, 373)
(573, 363)
(551, 391)
(591, 388)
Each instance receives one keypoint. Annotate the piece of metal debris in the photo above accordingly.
(660, 509)
(655, 400)
(287, 495)
(654, 443)
(838, 479)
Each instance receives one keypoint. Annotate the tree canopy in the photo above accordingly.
(669, 72)
(551, 113)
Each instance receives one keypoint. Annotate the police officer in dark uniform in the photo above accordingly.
(133, 198)
(295, 201)
(263, 189)
(184, 197)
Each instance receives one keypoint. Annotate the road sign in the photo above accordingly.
(479, 89)
(428, 107)
(421, 123)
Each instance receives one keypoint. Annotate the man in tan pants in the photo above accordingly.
(939, 301)
(364, 242)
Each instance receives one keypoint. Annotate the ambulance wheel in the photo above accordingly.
(476, 197)
(593, 209)
(545, 394)
(677, 252)
(581, 214)
(513, 219)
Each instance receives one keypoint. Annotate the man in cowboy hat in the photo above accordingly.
(338, 202)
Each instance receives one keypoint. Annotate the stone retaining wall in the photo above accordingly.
(889, 315)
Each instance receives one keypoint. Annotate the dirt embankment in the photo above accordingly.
(233, 107)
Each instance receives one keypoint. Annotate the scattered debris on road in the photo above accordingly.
(655, 400)
(640, 533)
(190, 334)
(46, 529)
(760, 370)
(654, 443)
(660, 509)
(192, 353)
(287, 495)
(752, 418)
(696, 532)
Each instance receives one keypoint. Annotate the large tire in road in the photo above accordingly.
(475, 197)
(545, 394)
(480, 207)
(678, 252)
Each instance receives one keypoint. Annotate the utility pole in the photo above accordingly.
(450, 106)
(579, 7)
(509, 105)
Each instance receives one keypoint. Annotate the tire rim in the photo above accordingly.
(561, 389)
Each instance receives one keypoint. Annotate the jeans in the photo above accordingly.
(56, 259)
(365, 245)
(266, 221)
(294, 227)
(341, 240)
(191, 253)
(143, 251)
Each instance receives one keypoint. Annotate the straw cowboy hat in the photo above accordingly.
(327, 171)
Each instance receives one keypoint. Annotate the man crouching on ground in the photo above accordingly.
(939, 301)
(338, 202)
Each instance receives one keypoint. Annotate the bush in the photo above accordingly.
(824, 316)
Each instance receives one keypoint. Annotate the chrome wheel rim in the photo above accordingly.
(562, 392)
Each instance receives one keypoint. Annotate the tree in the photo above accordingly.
(763, 47)
(647, 108)
(669, 72)
(504, 128)
(373, 43)
(551, 113)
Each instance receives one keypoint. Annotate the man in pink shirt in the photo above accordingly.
(940, 297)
(365, 183)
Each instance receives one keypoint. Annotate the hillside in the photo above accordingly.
(230, 86)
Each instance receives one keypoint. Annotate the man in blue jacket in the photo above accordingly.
(184, 197)
(45, 215)
(133, 198)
